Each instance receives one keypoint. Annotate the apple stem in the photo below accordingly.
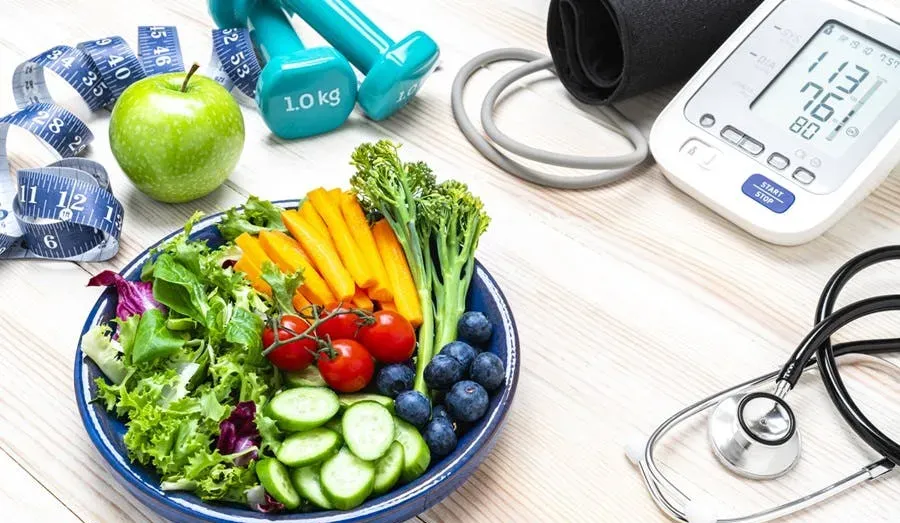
(189, 75)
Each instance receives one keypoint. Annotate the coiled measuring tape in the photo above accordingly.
(66, 210)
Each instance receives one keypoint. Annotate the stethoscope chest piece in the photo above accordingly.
(755, 435)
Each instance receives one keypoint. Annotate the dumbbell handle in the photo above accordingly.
(272, 31)
(345, 27)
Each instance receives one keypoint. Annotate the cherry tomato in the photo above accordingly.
(350, 370)
(340, 327)
(296, 355)
(391, 339)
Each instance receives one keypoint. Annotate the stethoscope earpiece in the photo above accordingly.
(755, 435)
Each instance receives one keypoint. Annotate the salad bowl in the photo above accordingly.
(106, 431)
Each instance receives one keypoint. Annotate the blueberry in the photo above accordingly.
(442, 372)
(474, 328)
(487, 369)
(413, 407)
(394, 379)
(467, 401)
(440, 411)
(462, 351)
(440, 437)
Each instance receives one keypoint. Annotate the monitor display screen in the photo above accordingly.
(833, 89)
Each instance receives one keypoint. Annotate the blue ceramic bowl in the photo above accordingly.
(442, 478)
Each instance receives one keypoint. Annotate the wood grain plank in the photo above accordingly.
(24, 499)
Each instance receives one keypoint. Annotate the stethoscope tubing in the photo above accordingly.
(661, 489)
(834, 384)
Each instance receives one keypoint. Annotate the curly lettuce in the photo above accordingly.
(177, 372)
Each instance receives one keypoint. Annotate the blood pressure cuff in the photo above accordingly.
(608, 50)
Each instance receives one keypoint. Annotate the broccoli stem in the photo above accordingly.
(426, 341)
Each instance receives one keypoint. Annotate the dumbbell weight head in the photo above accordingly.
(395, 78)
(300, 92)
(305, 94)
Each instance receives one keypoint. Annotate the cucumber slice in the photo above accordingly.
(306, 481)
(308, 377)
(348, 400)
(416, 456)
(275, 479)
(335, 425)
(368, 429)
(303, 408)
(346, 479)
(305, 448)
(389, 468)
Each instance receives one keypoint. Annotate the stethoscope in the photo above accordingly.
(754, 433)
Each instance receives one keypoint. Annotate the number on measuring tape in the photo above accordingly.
(66, 210)
(233, 54)
(62, 211)
(116, 62)
(159, 49)
(72, 65)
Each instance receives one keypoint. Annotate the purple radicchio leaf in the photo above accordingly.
(261, 501)
(135, 297)
(271, 505)
(238, 432)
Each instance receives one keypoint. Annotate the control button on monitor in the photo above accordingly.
(707, 120)
(702, 154)
(779, 161)
(732, 135)
(751, 146)
(768, 193)
(803, 176)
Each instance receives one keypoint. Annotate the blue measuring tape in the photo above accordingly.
(235, 58)
(66, 210)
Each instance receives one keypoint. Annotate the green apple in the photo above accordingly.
(177, 136)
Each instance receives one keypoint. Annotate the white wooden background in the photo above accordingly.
(631, 300)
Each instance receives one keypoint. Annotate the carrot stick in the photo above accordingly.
(312, 217)
(289, 256)
(335, 195)
(322, 255)
(252, 250)
(300, 302)
(350, 253)
(253, 274)
(362, 235)
(406, 296)
(361, 301)
(388, 306)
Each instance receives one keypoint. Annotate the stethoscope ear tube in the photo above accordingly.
(818, 342)
(828, 368)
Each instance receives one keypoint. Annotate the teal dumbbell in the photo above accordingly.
(394, 70)
(301, 92)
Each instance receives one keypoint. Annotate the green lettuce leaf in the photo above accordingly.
(98, 345)
(127, 331)
(255, 216)
(153, 339)
(245, 330)
(268, 430)
(284, 286)
(179, 289)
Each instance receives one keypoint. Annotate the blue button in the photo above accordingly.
(768, 193)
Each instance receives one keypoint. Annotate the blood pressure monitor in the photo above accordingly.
(793, 121)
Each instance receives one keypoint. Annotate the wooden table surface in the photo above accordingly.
(631, 300)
